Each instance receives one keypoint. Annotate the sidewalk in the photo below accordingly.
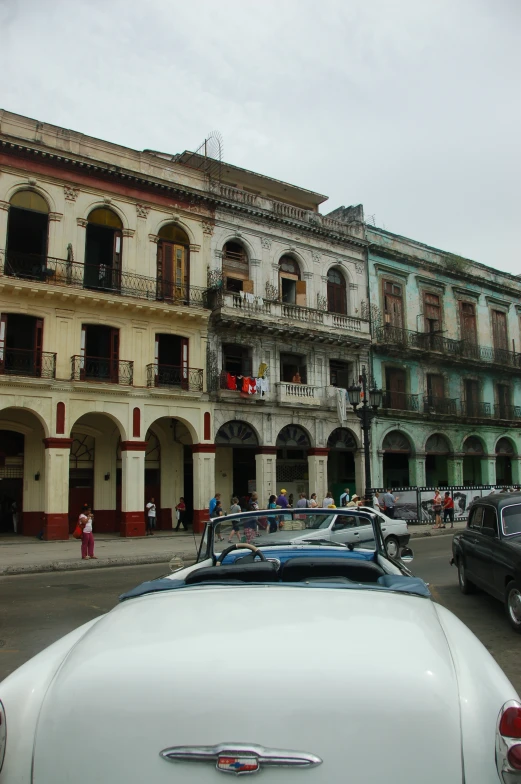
(25, 555)
(417, 529)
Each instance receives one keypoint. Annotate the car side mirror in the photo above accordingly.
(406, 554)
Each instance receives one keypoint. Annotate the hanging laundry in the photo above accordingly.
(263, 386)
(262, 370)
(253, 386)
(250, 299)
(246, 384)
(231, 381)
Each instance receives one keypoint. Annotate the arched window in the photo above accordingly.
(173, 264)
(236, 271)
(103, 250)
(27, 232)
(292, 288)
(336, 292)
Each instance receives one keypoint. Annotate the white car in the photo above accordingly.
(316, 663)
(346, 525)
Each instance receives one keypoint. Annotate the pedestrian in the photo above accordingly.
(85, 521)
(328, 500)
(151, 516)
(448, 509)
(235, 508)
(14, 512)
(302, 502)
(353, 502)
(313, 501)
(272, 519)
(290, 500)
(282, 501)
(376, 502)
(388, 502)
(253, 503)
(180, 511)
(212, 504)
(344, 498)
(436, 508)
(250, 523)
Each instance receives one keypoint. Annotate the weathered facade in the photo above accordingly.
(289, 303)
(446, 349)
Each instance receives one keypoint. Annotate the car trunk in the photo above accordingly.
(362, 679)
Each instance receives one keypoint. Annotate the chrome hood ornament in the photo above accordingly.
(240, 758)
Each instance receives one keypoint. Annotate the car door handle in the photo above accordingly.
(355, 533)
(384, 529)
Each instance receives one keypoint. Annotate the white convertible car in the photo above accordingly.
(314, 662)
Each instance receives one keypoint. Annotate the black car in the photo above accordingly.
(488, 552)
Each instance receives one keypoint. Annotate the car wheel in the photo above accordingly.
(392, 546)
(513, 605)
(465, 585)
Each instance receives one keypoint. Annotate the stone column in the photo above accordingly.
(455, 470)
(133, 488)
(317, 469)
(204, 482)
(81, 238)
(56, 247)
(56, 490)
(266, 473)
(417, 470)
(488, 470)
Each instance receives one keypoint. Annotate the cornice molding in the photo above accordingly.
(463, 293)
(424, 281)
(388, 270)
(502, 303)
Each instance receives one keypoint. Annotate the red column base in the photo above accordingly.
(132, 524)
(56, 526)
(200, 517)
(30, 523)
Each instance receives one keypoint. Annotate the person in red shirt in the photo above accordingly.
(448, 509)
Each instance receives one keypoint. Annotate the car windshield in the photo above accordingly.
(512, 520)
(290, 527)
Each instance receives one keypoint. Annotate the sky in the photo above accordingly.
(411, 108)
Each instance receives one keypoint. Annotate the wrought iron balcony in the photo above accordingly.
(502, 411)
(432, 404)
(472, 408)
(103, 369)
(389, 335)
(400, 401)
(172, 376)
(61, 272)
(27, 362)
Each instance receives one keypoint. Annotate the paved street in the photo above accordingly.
(37, 609)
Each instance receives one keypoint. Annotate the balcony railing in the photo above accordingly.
(61, 272)
(471, 408)
(104, 369)
(400, 401)
(172, 376)
(502, 411)
(456, 349)
(432, 404)
(27, 362)
(249, 304)
(299, 394)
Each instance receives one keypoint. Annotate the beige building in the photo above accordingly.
(103, 332)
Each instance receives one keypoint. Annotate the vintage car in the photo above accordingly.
(488, 551)
(343, 525)
(317, 662)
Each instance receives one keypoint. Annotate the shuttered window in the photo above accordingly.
(499, 329)
(393, 304)
(468, 322)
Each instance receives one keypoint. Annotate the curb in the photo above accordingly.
(419, 534)
(184, 559)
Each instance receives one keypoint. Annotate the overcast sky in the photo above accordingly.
(411, 107)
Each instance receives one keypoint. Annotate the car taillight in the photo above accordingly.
(3, 735)
(508, 742)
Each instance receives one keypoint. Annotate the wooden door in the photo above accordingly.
(499, 330)
(38, 347)
(116, 260)
(336, 293)
(184, 364)
(395, 381)
(114, 355)
(468, 322)
(180, 274)
(393, 305)
(3, 334)
(435, 386)
(472, 397)
(432, 313)
(503, 400)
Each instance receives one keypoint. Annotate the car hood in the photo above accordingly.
(364, 680)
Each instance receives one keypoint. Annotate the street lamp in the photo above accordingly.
(369, 402)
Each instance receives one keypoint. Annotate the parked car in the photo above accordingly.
(343, 525)
(488, 551)
(315, 661)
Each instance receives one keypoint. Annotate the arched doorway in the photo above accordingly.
(437, 450)
(397, 452)
(27, 234)
(341, 462)
(173, 264)
(103, 250)
(292, 289)
(336, 292)
(473, 453)
(235, 469)
(236, 270)
(504, 454)
(22, 472)
(292, 444)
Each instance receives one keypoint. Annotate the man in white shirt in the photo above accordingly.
(344, 498)
(151, 517)
(328, 500)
